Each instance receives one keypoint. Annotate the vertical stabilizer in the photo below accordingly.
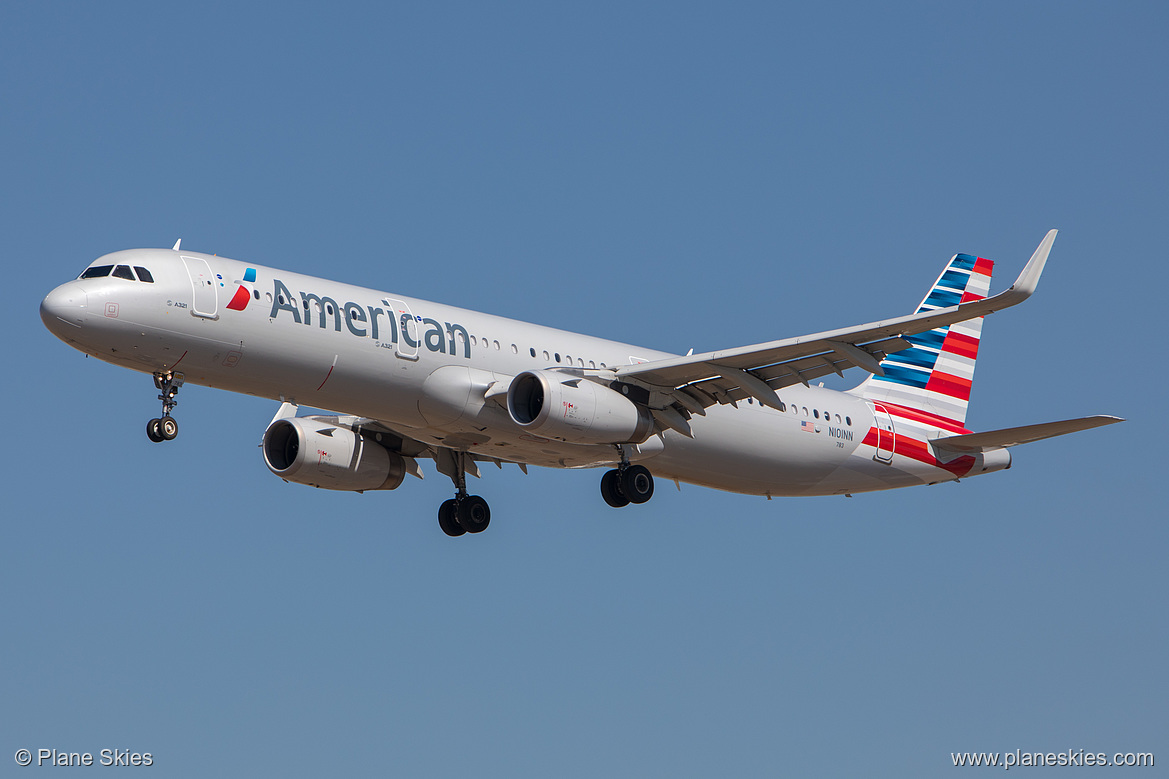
(934, 375)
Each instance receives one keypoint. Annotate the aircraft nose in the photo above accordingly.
(64, 308)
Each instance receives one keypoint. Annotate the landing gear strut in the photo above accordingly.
(627, 483)
(463, 513)
(165, 428)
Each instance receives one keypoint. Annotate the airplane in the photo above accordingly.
(407, 379)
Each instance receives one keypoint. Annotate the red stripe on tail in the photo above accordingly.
(961, 345)
(945, 384)
(985, 267)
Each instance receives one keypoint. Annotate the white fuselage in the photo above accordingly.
(428, 373)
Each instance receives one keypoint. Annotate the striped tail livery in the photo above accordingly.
(934, 375)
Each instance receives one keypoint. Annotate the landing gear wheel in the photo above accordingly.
(474, 514)
(166, 428)
(637, 484)
(447, 520)
(611, 489)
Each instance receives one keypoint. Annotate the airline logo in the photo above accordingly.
(244, 294)
(379, 324)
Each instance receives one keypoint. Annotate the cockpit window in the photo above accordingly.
(97, 272)
(119, 271)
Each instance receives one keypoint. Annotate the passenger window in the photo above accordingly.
(848, 421)
(558, 357)
(144, 275)
(496, 345)
(532, 350)
(514, 349)
(816, 413)
(545, 354)
(256, 292)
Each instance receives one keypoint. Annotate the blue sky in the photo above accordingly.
(675, 175)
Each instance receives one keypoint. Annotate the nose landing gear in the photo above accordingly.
(165, 428)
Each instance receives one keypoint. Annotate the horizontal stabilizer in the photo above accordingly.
(1012, 436)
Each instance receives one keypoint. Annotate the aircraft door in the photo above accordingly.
(886, 438)
(204, 297)
(409, 336)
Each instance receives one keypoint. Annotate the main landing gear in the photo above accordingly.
(627, 483)
(463, 513)
(165, 428)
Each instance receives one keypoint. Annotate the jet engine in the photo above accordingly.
(576, 410)
(330, 457)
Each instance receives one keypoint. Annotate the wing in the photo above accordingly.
(681, 386)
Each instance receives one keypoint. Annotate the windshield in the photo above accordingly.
(119, 271)
(97, 272)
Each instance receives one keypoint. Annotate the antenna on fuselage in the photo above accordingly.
(175, 248)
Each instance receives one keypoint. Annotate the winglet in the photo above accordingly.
(1029, 279)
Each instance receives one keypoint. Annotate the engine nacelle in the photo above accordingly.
(330, 457)
(569, 408)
